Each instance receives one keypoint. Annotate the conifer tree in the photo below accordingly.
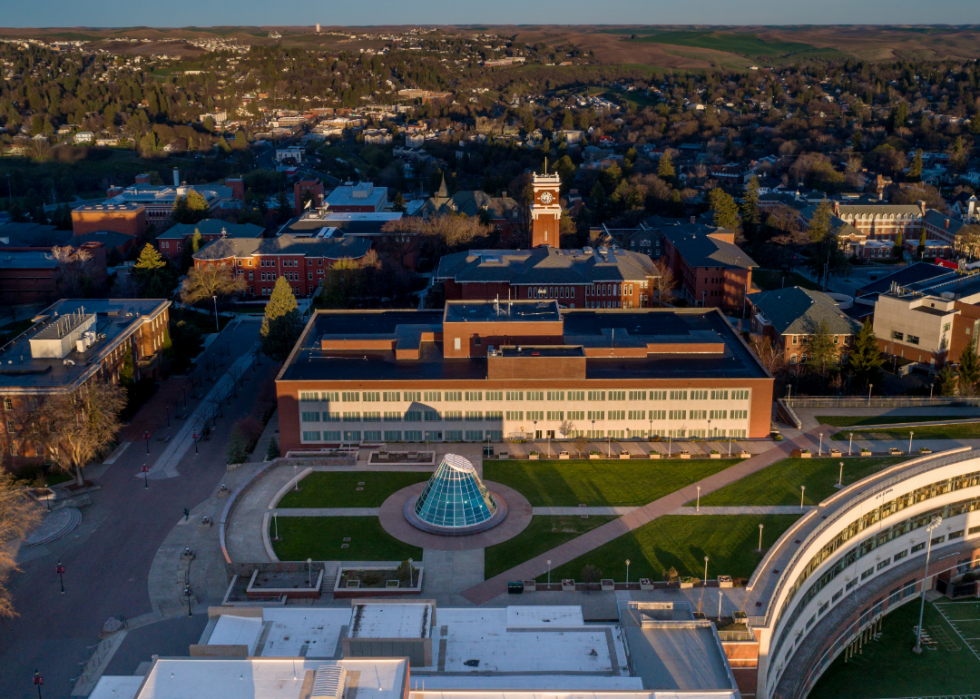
(946, 382)
(969, 370)
(666, 168)
(865, 359)
(281, 325)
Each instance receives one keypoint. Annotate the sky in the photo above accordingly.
(178, 13)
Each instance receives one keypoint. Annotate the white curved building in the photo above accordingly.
(856, 557)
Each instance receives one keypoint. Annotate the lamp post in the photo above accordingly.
(820, 446)
(802, 494)
(146, 483)
(936, 521)
(187, 594)
(698, 508)
(61, 576)
(146, 438)
(411, 582)
(194, 437)
(38, 680)
(609, 445)
(549, 571)
(295, 479)
(275, 522)
(627, 573)
(840, 478)
(760, 538)
(705, 571)
(910, 442)
(870, 386)
(217, 323)
(309, 572)
(668, 445)
(850, 439)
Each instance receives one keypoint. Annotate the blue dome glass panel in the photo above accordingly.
(455, 496)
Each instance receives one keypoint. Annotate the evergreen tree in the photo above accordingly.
(915, 169)
(191, 246)
(821, 349)
(273, 451)
(152, 274)
(725, 209)
(865, 359)
(750, 209)
(190, 208)
(398, 202)
(281, 325)
(945, 384)
(969, 370)
(666, 168)
(236, 450)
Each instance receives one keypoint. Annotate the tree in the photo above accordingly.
(820, 224)
(284, 209)
(281, 325)
(18, 516)
(190, 208)
(771, 357)
(81, 424)
(195, 243)
(865, 359)
(236, 450)
(210, 280)
(152, 274)
(665, 170)
(273, 451)
(751, 218)
(663, 284)
(725, 209)
(915, 169)
(76, 271)
(946, 381)
(398, 202)
(820, 347)
(969, 370)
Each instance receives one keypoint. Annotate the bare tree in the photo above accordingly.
(206, 281)
(663, 284)
(18, 516)
(566, 428)
(81, 424)
(771, 357)
(74, 269)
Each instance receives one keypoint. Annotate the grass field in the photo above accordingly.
(542, 534)
(682, 542)
(888, 668)
(340, 489)
(780, 483)
(321, 539)
(859, 420)
(742, 44)
(601, 482)
(970, 430)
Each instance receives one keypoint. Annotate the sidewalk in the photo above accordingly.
(486, 591)
(747, 510)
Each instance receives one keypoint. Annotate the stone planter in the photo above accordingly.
(624, 455)
(806, 455)
(655, 455)
(686, 585)
(865, 453)
(725, 581)
(391, 587)
(924, 450)
(744, 455)
(595, 456)
(684, 455)
(607, 584)
(714, 455)
(563, 456)
(533, 457)
(895, 451)
(836, 452)
(530, 585)
(646, 584)
(503, 455)
(567, 585)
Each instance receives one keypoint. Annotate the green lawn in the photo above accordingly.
(602, 482)
(780, 483)
(859, 420)
(969, 430)
(340, 489)
(321, 538)
(542, 534)
(682, 542)
(888, 668)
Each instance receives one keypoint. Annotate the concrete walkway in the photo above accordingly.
(327, 511)
(486, 591)
(572, 511)
(749, 510)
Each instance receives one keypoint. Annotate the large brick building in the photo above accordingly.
(502, 212)
(33, 275)
(587, 278)
(479, 371)
(401, 246)
(126, 218)
(303, 260)
(71, 343)
(171, 242)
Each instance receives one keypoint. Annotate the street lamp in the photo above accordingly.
(217, 323)
(275, 521)
(850, 440)
(705, 571)
(609, 445)
(411, 583)
(698, 508)
(820, 446)
(549, 571)
(295, 478)
(870, 386)
(187, 594)
(61, 576)
(146, 437)
(936, 521)
(309, 572)
(194, 437)
(802, 494)
(38, 680)
(146, 483)
(760, 538)
(627, 573)
(910, 442)
(840, 478)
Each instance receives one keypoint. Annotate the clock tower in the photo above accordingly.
(545, 211)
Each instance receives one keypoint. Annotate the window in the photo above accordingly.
(617, 414)
(597, 415)
(431, 416)
(912, 339)
(597, 395)
(556, 415)
(413, 396)
(433, 396)
(413, 416)
(392, 416)
(719, 395)
(699, 395)
(352, 417)
(576, 395)
(515, 395)
(515, 414)
(617, 395)
(658, 395)
(332, 417)
(351, 396)
(474, 415)
(740, 395)
(535, 395)
(678, 414)
(474, 435)
(900, 555)
(495, 395)
(313, 436)
(868, 573)
(556, 395)
(658, 414)
(495, 415)
(918, 547)
(678, 395)
(413, 435)
(637, 414)
(792, 359)
(884, 564)
(372, 397)
(454, 396)
(638, 395)
(837, 596)
(310, 416)
(719, 414)
(372, 435)
(739, 414)
(303, 395)
(956, 535)
(474, 395)
(392, 397)
(699, 414)
(372, 417)
(393, 435)
(457, 344)
(453, 416)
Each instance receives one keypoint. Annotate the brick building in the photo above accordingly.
(790, 317)
(710, 269)
(587, 278)
(314, 187)
(502, 212)
(479, 371)
(304, 261)
(401, 246)
(71, 343)
(32, 275)
(126, 218)
(350, 197)
(171, 242)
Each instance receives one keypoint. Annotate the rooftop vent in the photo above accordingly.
(328, 682)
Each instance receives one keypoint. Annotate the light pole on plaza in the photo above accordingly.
(936, 521)
(549, 571)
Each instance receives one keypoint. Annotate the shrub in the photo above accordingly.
(777, 438)
(591, 574)
(670, 575)
(236, 451)
(273, 451)
(371, 578)
(405, 574)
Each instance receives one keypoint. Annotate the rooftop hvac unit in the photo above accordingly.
(328, 683)
(949, 295)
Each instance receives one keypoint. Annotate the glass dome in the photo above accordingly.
(455, 497)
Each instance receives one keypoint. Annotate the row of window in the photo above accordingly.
(511, 396)
(910, 339)
(356, 436)
(518, 415)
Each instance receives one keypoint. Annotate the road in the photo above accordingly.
(107, 559)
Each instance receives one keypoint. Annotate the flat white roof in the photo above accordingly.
(390, 620)
(569, 694)
(236, 631)
(116, 687)
(527, 682)
(316, 628)
(266, 678)
(522, 617)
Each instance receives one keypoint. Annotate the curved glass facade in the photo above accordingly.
(455, 496)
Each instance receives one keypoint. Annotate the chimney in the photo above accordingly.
(836, 208)
(946, 226)
(922, 207)
(176, 177)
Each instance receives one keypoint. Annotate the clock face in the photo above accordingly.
(547, 198)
